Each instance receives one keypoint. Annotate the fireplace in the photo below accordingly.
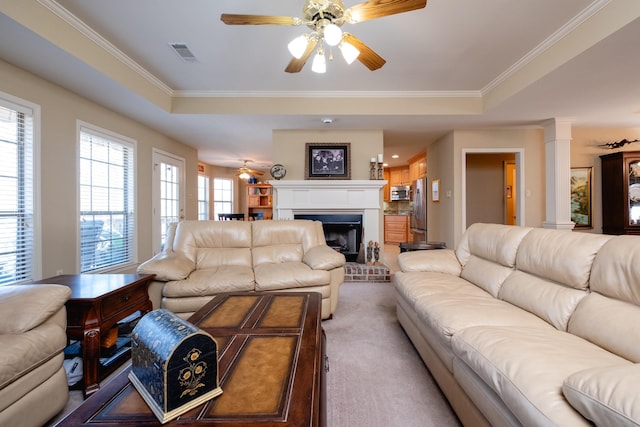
(343, 232)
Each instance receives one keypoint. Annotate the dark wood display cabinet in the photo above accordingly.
(621, 193)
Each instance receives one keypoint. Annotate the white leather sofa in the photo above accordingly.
(33, 383)
(205, 258)
(529, 326)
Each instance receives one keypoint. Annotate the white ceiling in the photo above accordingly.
(456, 64)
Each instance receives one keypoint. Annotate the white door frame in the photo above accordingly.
(519, 153)
(158, 157)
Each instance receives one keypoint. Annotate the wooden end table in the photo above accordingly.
(271, 368)
(98, 302)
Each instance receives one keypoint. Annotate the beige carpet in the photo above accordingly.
(376, 377)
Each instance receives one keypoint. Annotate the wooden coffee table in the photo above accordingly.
(271, 368)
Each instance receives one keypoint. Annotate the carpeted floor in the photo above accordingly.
(376, 377)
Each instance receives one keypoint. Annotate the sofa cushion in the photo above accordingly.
(284, 275)
(23, 352)
(437, 261)
(615, 269)
(548, 300)
(563, 257)
(192, 237)
(304, 233)
(526, 367)
(202, 282)
(322, 257)
(414, 284)
(609, 323)
(607, 396)
(23, 307)
(493, 242)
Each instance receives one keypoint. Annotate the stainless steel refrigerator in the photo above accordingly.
(419, 212)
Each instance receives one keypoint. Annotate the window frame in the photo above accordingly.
(206, 191)
(99, 132)
(231, 193)
(34, 111)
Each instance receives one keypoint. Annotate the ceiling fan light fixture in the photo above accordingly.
(298, 46)
(349, 52)
(319, 64)
(332, 34)
(244, 175)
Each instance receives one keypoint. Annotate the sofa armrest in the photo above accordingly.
(23, 307)
(168, 266)
(322, 257)
(607, 396)
(436, 260)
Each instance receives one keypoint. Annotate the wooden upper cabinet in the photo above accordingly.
(418, 167)
(399, 176)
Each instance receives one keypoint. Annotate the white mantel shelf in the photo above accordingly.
(332, 196)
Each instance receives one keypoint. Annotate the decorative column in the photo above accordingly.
(557, 142)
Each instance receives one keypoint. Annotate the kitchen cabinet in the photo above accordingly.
(399, 176)
(418, 167)
(396, 228)
(621, 193)
(386, 191)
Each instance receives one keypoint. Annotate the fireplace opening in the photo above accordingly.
(343, 232)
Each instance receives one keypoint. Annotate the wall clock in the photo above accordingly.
(278, 171)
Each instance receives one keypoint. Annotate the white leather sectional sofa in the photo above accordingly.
(204, 258)
(528, 326)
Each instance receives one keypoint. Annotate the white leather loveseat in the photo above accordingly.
(33, 324)
(205, 258)
(529, 326)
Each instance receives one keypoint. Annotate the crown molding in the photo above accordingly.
(327, 94)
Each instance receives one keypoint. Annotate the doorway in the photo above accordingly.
(492, 183)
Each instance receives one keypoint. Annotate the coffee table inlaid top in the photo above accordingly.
(270, 356)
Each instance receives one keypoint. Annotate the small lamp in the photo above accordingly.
(319, 64)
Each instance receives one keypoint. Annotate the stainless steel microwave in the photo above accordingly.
(400, 192)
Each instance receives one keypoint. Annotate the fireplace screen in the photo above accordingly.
(343, 232)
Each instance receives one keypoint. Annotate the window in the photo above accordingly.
(222, 196)
(203, 197)
(107, 202)
(18, 227)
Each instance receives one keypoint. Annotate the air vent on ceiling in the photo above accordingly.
(183, 52)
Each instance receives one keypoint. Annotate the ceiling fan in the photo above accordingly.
(324, 18)
(245, 172)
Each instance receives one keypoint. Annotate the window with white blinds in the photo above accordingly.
(16, 193)
(107, 199)
(203, 197)
(222, 196)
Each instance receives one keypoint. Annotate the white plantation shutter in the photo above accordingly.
(16, 193)
(107, 202)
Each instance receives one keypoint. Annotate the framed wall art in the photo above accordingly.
(581, 197)
(435, 190)
(327, 160)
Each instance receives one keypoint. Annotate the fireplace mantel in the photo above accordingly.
(332, 196)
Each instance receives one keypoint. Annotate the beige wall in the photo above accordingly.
(444, 162)
(585, 152)
(289, 148)
(60, 110)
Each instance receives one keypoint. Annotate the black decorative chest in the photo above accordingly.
(174, 364)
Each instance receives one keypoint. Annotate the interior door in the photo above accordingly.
(168, 195)
(510, 193)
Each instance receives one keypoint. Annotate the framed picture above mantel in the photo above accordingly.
(327, 160)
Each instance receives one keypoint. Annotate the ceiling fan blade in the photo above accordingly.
(373, 9)
(295, 65)
(367, 56)
(232, 19)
